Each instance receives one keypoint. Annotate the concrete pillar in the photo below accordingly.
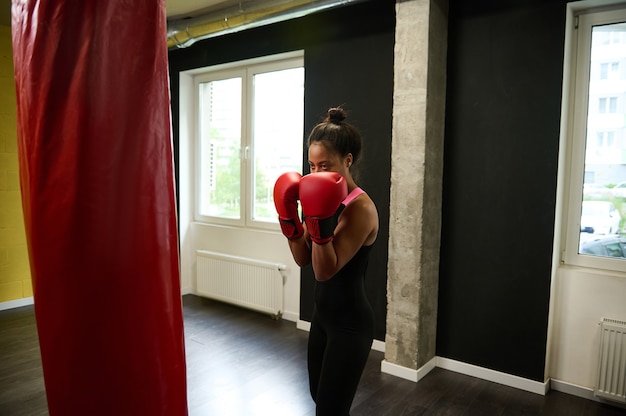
(416, 183)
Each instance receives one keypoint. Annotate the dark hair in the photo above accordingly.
(337, 135)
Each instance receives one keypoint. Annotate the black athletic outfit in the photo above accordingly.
(340, 339)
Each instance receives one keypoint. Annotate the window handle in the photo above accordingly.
(246, 153)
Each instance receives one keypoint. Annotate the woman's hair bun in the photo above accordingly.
(336, 115)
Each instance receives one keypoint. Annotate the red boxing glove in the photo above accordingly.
(286, 203)
(321, 195)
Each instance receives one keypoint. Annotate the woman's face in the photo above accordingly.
(323, 160)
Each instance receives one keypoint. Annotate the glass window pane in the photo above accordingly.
(604, 71)
(604, 188)
(220, 142)
(278, 125)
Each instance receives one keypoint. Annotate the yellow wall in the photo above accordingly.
(15, 281)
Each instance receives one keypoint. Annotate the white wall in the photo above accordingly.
(255, 244)
(580, 297)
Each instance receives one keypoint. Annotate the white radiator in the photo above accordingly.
(612, 364)
(250, 283)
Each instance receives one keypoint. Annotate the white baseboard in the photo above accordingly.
(377, 345)
(583, 392)
(407, 373)
(467, 369)
(572, 389)
(303, 325)
(290, 316)
(494, 376)
(17, 303)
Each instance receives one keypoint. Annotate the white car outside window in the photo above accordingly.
(599, 217)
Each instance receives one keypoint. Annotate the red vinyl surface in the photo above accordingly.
(96, 171)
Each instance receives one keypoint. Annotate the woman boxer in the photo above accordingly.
(341, 225)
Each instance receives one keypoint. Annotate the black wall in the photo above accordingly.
(505, 64)
(348, 61)
(356, 69)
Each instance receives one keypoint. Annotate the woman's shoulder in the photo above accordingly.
(365, 214)
(359, 218)
(362, 202)
(352, 195)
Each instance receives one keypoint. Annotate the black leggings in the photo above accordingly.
(336, 358)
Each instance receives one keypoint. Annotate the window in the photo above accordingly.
(607, 105)
(613, 105)
(596, 209)
(604, 71)
(604, 139)
(250, 124)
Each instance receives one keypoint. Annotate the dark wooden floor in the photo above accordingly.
(243, 363)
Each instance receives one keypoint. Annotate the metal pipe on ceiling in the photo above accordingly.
(182, 33)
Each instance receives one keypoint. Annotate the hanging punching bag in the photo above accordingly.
(96, 173)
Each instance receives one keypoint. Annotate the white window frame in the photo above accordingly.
(246, 69)
(584, 16)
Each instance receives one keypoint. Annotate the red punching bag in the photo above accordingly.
(96, 173)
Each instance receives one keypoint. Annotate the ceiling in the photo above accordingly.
(175, 9)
